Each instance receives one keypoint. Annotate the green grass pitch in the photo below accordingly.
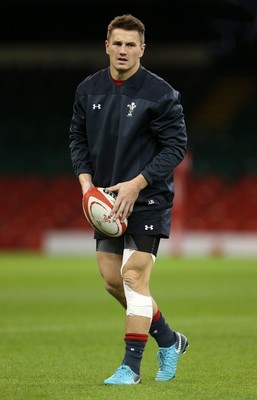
(61, 334)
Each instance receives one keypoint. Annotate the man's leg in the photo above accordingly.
(166, 338)
(135, 271)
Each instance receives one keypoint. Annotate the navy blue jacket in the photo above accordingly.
(118, 132)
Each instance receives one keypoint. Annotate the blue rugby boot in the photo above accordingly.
(168, 358)
(123, 376)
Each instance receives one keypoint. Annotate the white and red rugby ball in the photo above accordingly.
(97, 204)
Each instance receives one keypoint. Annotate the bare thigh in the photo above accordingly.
(109, 265)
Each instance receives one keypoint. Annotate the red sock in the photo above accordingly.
(140, 337)
(156, 316)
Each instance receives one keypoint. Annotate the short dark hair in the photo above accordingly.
(129, 23)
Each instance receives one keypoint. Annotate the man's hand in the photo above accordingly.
(127, 194)
(85, 182)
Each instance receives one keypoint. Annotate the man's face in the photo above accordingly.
(125, 50)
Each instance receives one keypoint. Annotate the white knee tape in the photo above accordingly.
(138, 304)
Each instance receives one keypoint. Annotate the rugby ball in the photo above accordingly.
(97, 204)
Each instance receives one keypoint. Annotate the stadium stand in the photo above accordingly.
(32, 205)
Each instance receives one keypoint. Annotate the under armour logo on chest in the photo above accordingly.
(98, 106)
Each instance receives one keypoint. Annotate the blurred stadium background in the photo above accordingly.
(205, 49)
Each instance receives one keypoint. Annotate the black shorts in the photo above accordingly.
(145, 243)
(147, 223)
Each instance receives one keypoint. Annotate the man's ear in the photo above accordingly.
(142, 50)
(106, 46)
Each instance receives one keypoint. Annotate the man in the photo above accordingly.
(127, 134)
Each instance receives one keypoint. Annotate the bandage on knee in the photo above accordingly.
(138, 304)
